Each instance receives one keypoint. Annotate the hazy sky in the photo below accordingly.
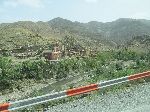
(75, 10)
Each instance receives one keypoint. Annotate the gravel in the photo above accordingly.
(132, 99)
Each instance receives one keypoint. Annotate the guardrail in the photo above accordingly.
(10, 106)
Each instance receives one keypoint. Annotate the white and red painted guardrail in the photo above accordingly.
(10, 106)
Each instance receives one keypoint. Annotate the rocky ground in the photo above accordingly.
(31, 88)
(24, 89)
(132, 99)
(129, 99)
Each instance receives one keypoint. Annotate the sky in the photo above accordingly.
(74, 10)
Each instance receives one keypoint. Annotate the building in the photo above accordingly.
(54, 54)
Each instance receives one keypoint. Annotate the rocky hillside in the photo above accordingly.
(42, 33)
(139, 43)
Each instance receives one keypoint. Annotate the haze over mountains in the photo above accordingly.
(28, 32)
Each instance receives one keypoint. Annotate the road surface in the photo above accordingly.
(132, 99)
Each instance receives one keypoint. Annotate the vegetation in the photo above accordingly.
(112, 60)
(24, 33)
(106, 65)
(47, 56)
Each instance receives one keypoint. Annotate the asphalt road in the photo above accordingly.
(132, 99)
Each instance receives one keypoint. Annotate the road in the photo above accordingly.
(132, 99)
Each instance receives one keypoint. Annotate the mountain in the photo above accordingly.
(125, 29)
(139, 43)
(41, 33)
(120, 30)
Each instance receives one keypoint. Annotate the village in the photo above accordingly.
(56, 51)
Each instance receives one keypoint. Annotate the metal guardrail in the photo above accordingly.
(10, 106)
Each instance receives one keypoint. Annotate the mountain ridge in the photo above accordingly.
(118, 31)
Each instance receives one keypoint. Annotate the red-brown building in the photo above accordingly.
(52, 55)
